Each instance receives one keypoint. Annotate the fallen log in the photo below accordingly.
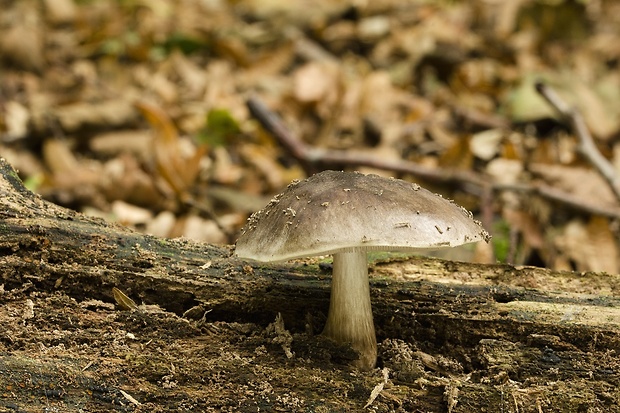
(215, 333)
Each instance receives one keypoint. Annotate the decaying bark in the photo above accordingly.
(454, 337)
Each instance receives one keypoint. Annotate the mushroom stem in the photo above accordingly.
(350, 313)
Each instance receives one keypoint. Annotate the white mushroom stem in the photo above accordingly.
(350, 313)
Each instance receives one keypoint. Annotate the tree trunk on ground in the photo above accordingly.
(219, 334)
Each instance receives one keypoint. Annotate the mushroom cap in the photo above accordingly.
(333, 212)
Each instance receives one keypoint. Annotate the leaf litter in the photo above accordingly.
(446, 85)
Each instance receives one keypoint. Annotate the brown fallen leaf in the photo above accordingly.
(22, 44)
(124, 302)
(107, 114)
(586, 184)
(60, 11)
(591, 246)
(178, 169)
(314, 82)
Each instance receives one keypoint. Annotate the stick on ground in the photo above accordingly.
(587, 146)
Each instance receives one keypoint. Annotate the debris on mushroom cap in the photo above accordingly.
(338, 211)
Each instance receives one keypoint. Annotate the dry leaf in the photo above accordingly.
(267, 67)
(58, 157)
(224, 170)
(124, 302)
(373, 28)
(136, 142)
(123, 178)
(600, 120)
(458, 156)
(178, 168)
(592, 246)
(527, 225)
(585, 184)
(616, 157)
(524, 104)
(376, 391)
(385, 109)
(105, 114)
(193, 77)
(485, 145)
(203, 230)
(162, 225)
(60, 11)
(264, 161)
(16, 119)
(127, 214)
(22, 44)
(314, 82)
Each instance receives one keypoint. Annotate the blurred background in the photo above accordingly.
(136, 110)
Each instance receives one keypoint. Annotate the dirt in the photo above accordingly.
(89, 353)
(62, 353)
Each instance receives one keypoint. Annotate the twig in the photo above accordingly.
(557, 195)
(274, 125)
(129, 397)
(451, 394)
(314, 160)
(587, 147)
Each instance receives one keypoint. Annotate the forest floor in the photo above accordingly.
(137, 112)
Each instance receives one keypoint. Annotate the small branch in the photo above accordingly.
(314, 160)
(272, 123)
(587, 147)
(556, 195)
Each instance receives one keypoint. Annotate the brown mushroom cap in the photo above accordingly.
(333, 211)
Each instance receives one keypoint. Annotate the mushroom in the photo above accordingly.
(347, 214)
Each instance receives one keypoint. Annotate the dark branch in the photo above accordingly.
(316, 159)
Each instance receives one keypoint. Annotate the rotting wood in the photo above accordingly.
(504, 337)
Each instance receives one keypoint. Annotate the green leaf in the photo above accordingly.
(187, 44)
(501, 240)
(220, 127)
